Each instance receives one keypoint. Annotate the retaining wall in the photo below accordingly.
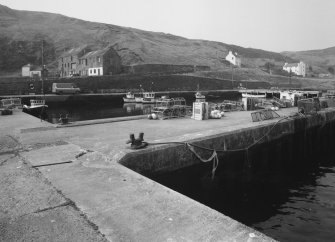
(297, 143)
(121, 83)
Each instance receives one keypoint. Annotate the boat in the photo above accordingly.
(130, 98)
(148, 97)
(200, 97)
(10, 103)
(253, 94)
(37, 108)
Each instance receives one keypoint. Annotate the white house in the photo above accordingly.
(30, 71)
(297, 68)
(233, 58)
(26, 70)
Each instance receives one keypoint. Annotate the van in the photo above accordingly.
(65, 88)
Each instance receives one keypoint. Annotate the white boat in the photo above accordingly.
(148, 97)
(130, 98)
(200, 97)
(253, 94)
(10, 103)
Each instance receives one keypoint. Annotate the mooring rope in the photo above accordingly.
(214, 155)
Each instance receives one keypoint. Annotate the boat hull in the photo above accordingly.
(129, 100)
(38, 111)
(149, 100)
(139, 99)
(254, 95)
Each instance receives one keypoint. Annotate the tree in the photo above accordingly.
(331, 70)
(269, 66)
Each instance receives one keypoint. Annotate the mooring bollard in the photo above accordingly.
(137, 143)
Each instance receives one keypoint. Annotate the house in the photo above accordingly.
(297, 68)
(100, 62)
(31, 71)
(234, 58)
(68, 62)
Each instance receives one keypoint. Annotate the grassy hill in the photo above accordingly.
(23, 31)
(320, 60)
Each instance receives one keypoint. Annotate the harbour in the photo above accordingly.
(290, 144)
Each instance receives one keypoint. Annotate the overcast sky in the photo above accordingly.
(275, 25)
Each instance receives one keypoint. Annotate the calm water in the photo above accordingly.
(116, 108)
(288, 207)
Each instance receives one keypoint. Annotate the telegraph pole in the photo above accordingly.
(232, 76)
(42, 73)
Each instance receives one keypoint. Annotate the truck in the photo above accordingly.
(65, 88)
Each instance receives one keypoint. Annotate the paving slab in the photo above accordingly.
(58, 224)
(129, 207)
(24, 190)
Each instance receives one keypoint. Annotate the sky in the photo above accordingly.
(274, 25)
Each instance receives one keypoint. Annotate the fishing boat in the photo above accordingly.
(199, 97)
(36, 108)
(130, 98)
(253, 93)
(148, 97)
(10, 103)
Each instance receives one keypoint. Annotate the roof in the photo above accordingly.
(33, 67)
(95, 53)
(74, 51)
(233, 53)
(291, 64)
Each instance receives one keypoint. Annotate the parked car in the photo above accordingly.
(65, 88)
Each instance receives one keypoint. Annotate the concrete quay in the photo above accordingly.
(96, 198)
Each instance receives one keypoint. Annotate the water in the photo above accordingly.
(86, 110)
(288, 207)
(297, 206)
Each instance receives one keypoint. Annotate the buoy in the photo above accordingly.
(149, 116)
(154, 116)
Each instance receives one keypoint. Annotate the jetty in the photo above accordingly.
(82, 181)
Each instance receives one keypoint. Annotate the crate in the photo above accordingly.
(265, 114)
(309, 105)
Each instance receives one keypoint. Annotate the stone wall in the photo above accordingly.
(121, 83)
(163, 68)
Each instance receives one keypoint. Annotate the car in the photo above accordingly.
(74, 75)
(65, 88)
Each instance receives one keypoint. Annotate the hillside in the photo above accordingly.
(320, 60)
(23, 31)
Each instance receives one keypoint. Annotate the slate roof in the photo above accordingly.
(95, 53)
(74, 51)
(291, 64)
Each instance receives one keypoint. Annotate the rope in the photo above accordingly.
(213, 157)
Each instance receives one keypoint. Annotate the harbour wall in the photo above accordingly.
(121, 83)
(284, 144)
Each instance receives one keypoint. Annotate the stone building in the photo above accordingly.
(68, 62)
(100, 62)
(297, 68)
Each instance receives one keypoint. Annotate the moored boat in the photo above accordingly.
(130, 98)
(253, 94)
(148, 97)
(37, 108)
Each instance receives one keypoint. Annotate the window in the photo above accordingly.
(95, 71)
(99, 59)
